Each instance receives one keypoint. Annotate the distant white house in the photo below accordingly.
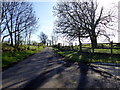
(119, 21)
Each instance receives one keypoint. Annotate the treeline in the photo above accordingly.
(83, 19)
(18, 22)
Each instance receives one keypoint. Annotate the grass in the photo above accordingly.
(88, 58)
(10, 57)
(86, 45)
(105, 59)
(115, 51)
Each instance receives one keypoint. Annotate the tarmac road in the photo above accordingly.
(46, 69)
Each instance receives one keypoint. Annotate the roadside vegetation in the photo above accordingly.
(85, 56)
(102, 48)
(11, 56)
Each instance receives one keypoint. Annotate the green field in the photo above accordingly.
(10, 56)
(88, 58)
(88, 46)
(115, 51)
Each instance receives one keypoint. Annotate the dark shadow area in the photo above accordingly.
(41, 79)
(44, 77)
(8, 87)
(83, 76)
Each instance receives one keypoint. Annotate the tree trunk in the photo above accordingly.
(29, 37)
(11, 17)
(26, 37)
(94, 42)
(15, 39)
(18, 39)
(80, 44)
(11, 39)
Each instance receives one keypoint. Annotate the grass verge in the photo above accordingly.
(9, 58)
(87, 57)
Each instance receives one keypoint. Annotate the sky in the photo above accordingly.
(44, 11)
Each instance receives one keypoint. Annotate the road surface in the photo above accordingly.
(46, 69)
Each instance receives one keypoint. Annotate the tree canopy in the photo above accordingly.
(18, 21)
(81, 19)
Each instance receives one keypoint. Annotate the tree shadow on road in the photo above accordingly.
(45, 76)
(83, 80)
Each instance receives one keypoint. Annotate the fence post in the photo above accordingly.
(111, 46)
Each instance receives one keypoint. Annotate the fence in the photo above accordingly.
(101, 46)
(109, 46)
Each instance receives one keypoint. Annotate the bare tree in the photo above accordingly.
(18, 18)
(66, 23)
(81, 19)
(54, 38)
(43, 37)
